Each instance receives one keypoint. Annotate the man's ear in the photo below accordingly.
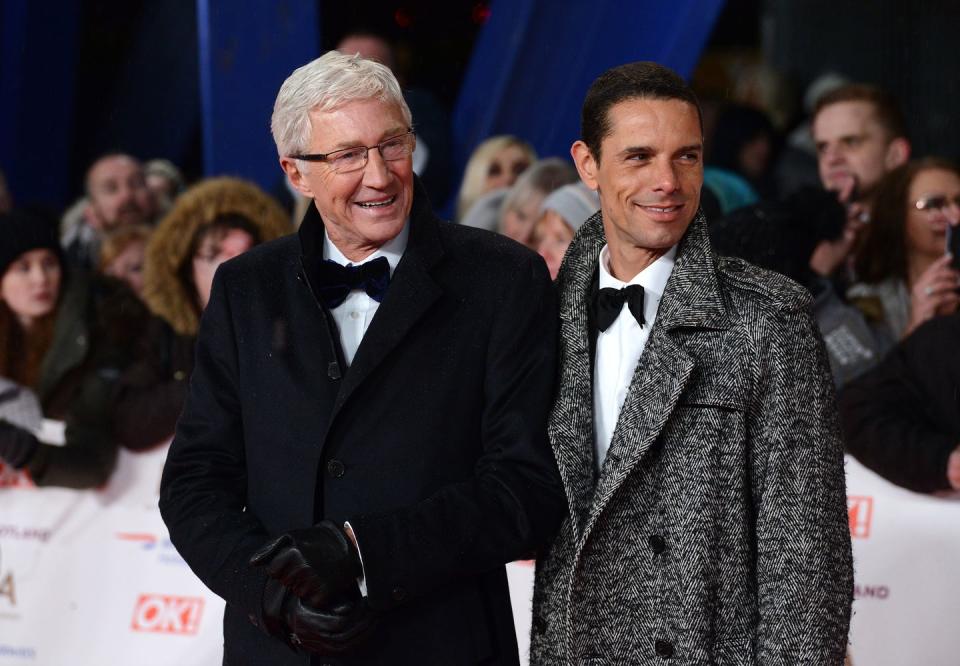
(898, 152)
(295, 176)
(586, 164)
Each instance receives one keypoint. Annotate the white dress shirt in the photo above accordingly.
(354, 315)
(619, 347)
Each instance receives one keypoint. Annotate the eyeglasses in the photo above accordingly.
(936, 202)
(353, 159)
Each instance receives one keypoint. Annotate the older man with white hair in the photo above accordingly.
(363, 447)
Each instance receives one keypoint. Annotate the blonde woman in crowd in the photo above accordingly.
(495, 163)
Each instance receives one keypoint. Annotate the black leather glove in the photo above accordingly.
(319, 564)
(340, 628)
(17, 445)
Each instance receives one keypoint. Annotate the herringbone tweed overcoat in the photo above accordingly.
(716, 531)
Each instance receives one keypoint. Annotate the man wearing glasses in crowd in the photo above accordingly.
(364, 445)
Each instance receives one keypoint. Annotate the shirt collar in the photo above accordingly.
(653, 278)
(393, 250)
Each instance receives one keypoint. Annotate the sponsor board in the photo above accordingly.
(149, 542)
(860, 515)
(878, 592)
(167, 614)
(18, 651)
(25, 533)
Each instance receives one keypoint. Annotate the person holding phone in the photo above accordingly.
(906, 276)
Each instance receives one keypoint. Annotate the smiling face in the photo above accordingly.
(648, 177)
(31, 284)
(363, 209)
(926, 230)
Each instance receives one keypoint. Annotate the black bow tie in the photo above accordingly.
(335, 282)
(608, 303)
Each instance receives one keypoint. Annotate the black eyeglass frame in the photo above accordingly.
(926, 204)
(325, 157)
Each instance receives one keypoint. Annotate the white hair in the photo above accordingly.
(329, 82)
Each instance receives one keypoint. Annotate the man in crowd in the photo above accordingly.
(364, 442)
(860, 135)
(695, 427)
(117, 195)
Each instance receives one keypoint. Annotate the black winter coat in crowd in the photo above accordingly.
(98, 323)
(432, 444)
(902, 420)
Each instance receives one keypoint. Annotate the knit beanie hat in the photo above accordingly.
(26, 229)
(575, 203)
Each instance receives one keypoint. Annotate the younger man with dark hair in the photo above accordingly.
(695, 426)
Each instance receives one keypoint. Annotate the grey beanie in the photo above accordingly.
(574, 203)
(485, 212)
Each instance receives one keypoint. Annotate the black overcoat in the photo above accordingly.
(432, 444)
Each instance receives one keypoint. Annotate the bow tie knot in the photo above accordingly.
(335, 282)
(608, 304)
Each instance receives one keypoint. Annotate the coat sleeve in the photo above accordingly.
(203, 491)
(514, 502)
(804, 563)
(887, 418)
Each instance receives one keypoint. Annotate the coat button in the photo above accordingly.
(335, 469)
(398, 594)
(657, 544)
(664, 649)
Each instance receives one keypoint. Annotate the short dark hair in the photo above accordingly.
(885, 106)
(634, 80)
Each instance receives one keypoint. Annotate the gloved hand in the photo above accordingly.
(17, 445)
(340, 628)
(318, 564)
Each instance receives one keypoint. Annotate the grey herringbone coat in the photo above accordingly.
(717, 530)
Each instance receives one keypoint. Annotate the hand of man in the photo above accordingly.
(318, 564)
(340, 628)
(17, 445)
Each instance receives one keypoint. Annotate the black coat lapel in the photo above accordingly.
(411, 293)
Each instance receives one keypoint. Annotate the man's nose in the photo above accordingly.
(666, 177)
(376, 173)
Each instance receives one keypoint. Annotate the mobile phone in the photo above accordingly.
(953, 245)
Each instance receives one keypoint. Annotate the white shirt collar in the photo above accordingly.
(653, 278)
(393, 250)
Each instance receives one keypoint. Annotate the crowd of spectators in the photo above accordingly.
(99, 310)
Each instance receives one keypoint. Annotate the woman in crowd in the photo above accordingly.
(562, 213)
(495, 163)
(122, 254)
(521, 206)
(210, 223)
(904, 275)
(66, 338)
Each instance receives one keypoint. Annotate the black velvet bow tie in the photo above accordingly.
(608, 303)
(335, 282)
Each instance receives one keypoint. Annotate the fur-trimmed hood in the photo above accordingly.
(164, 291)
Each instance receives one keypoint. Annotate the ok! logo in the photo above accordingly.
(860, 515)
(167, 614)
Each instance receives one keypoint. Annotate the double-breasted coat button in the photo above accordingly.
(335, 468)
(398, 594)
(657, 543)
(664, 648)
